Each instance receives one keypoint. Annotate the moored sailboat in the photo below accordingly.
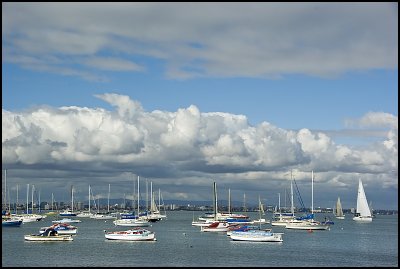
(308, 222)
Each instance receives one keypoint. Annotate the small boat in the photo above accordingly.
(66, 220)
(217, 226)
(239, 228)
(67, 213)
(256, 236)
(102, 216)
(61, 228)
(11, 222)
(49, 235)
(327, 221)
(135, 234)
(131, 222)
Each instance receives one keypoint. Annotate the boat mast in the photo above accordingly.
(39, 202)
(244, 202)
(5, 189)
(33, 189)
(108, 199)
(72, 198)
(229, 201)
(215, 201)
(279, 202)
(16, 205)
(312, 191)
(27, 198)
(259, 211)
(151, 198)
(89, 198)
(138, 197)
(291, 194)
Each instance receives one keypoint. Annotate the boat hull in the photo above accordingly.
(363, 219)
(131, 223)
(130, 238)
(255, 237)
(48, 238)
(11, 223)
(137, 234)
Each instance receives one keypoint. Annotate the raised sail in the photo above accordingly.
(339, 210)
(363, 212)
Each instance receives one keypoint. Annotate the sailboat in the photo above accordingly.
(308, 223)
(133, 220)
(261, 212)
(216, 225)
(107, 216)
(69, 213)
(86, 214)
(363, 212)
(279, 218)
(339, 210)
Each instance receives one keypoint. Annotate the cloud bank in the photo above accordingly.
(187, 146)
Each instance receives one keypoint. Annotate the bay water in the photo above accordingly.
(179, 244)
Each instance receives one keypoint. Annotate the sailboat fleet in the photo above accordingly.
(239, 227)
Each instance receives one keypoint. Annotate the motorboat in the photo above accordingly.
(135, 234)
(67, 220)
(256, 236)
(48, 235)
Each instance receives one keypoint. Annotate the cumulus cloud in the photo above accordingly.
(184, 147)
(266, 40)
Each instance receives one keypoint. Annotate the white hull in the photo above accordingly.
(130, 238)
(67, 221)
(201, 223)
(131, 235)
(279, 223)
(340, 217)
(257, 237)
(261, 221)
(102, 217)
(131, 223)
(307, 225)
(48, 238)
(30, 217)
(363, 219)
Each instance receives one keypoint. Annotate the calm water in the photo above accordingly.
(179, 244)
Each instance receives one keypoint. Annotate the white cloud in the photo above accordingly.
(187, 136)
(208, 39)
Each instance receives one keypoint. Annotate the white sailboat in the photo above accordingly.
(279, 218)
(338, 210)
(363, 212)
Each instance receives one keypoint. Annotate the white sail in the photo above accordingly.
(363, 212)
(339, 210)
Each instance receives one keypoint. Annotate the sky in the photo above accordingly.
(185, 94)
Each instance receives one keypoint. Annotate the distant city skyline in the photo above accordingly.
(185, 94)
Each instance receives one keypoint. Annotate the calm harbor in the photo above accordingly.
(179, 244)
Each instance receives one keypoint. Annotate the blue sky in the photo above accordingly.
(217, 91)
